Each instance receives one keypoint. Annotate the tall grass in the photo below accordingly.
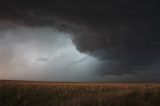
(14, 93)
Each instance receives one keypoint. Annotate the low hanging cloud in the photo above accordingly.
(119, 35)
(27, 54)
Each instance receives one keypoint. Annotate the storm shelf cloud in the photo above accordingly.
(80, 40)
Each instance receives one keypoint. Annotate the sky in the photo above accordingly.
(80, 40)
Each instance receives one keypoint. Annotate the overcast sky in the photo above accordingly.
(80, 40)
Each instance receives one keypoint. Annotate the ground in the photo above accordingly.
(27, 93)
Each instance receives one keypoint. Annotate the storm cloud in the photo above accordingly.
(116, 36)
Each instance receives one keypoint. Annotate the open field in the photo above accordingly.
(23, 93)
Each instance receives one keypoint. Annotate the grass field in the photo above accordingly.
(23, 93)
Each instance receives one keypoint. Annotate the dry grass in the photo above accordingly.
(23, 93)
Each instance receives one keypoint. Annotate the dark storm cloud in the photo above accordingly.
(120, 32)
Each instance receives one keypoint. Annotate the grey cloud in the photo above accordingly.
(38, 57)
(43, 59)
(119, 34)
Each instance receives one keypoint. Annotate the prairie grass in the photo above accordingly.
(23, 93)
